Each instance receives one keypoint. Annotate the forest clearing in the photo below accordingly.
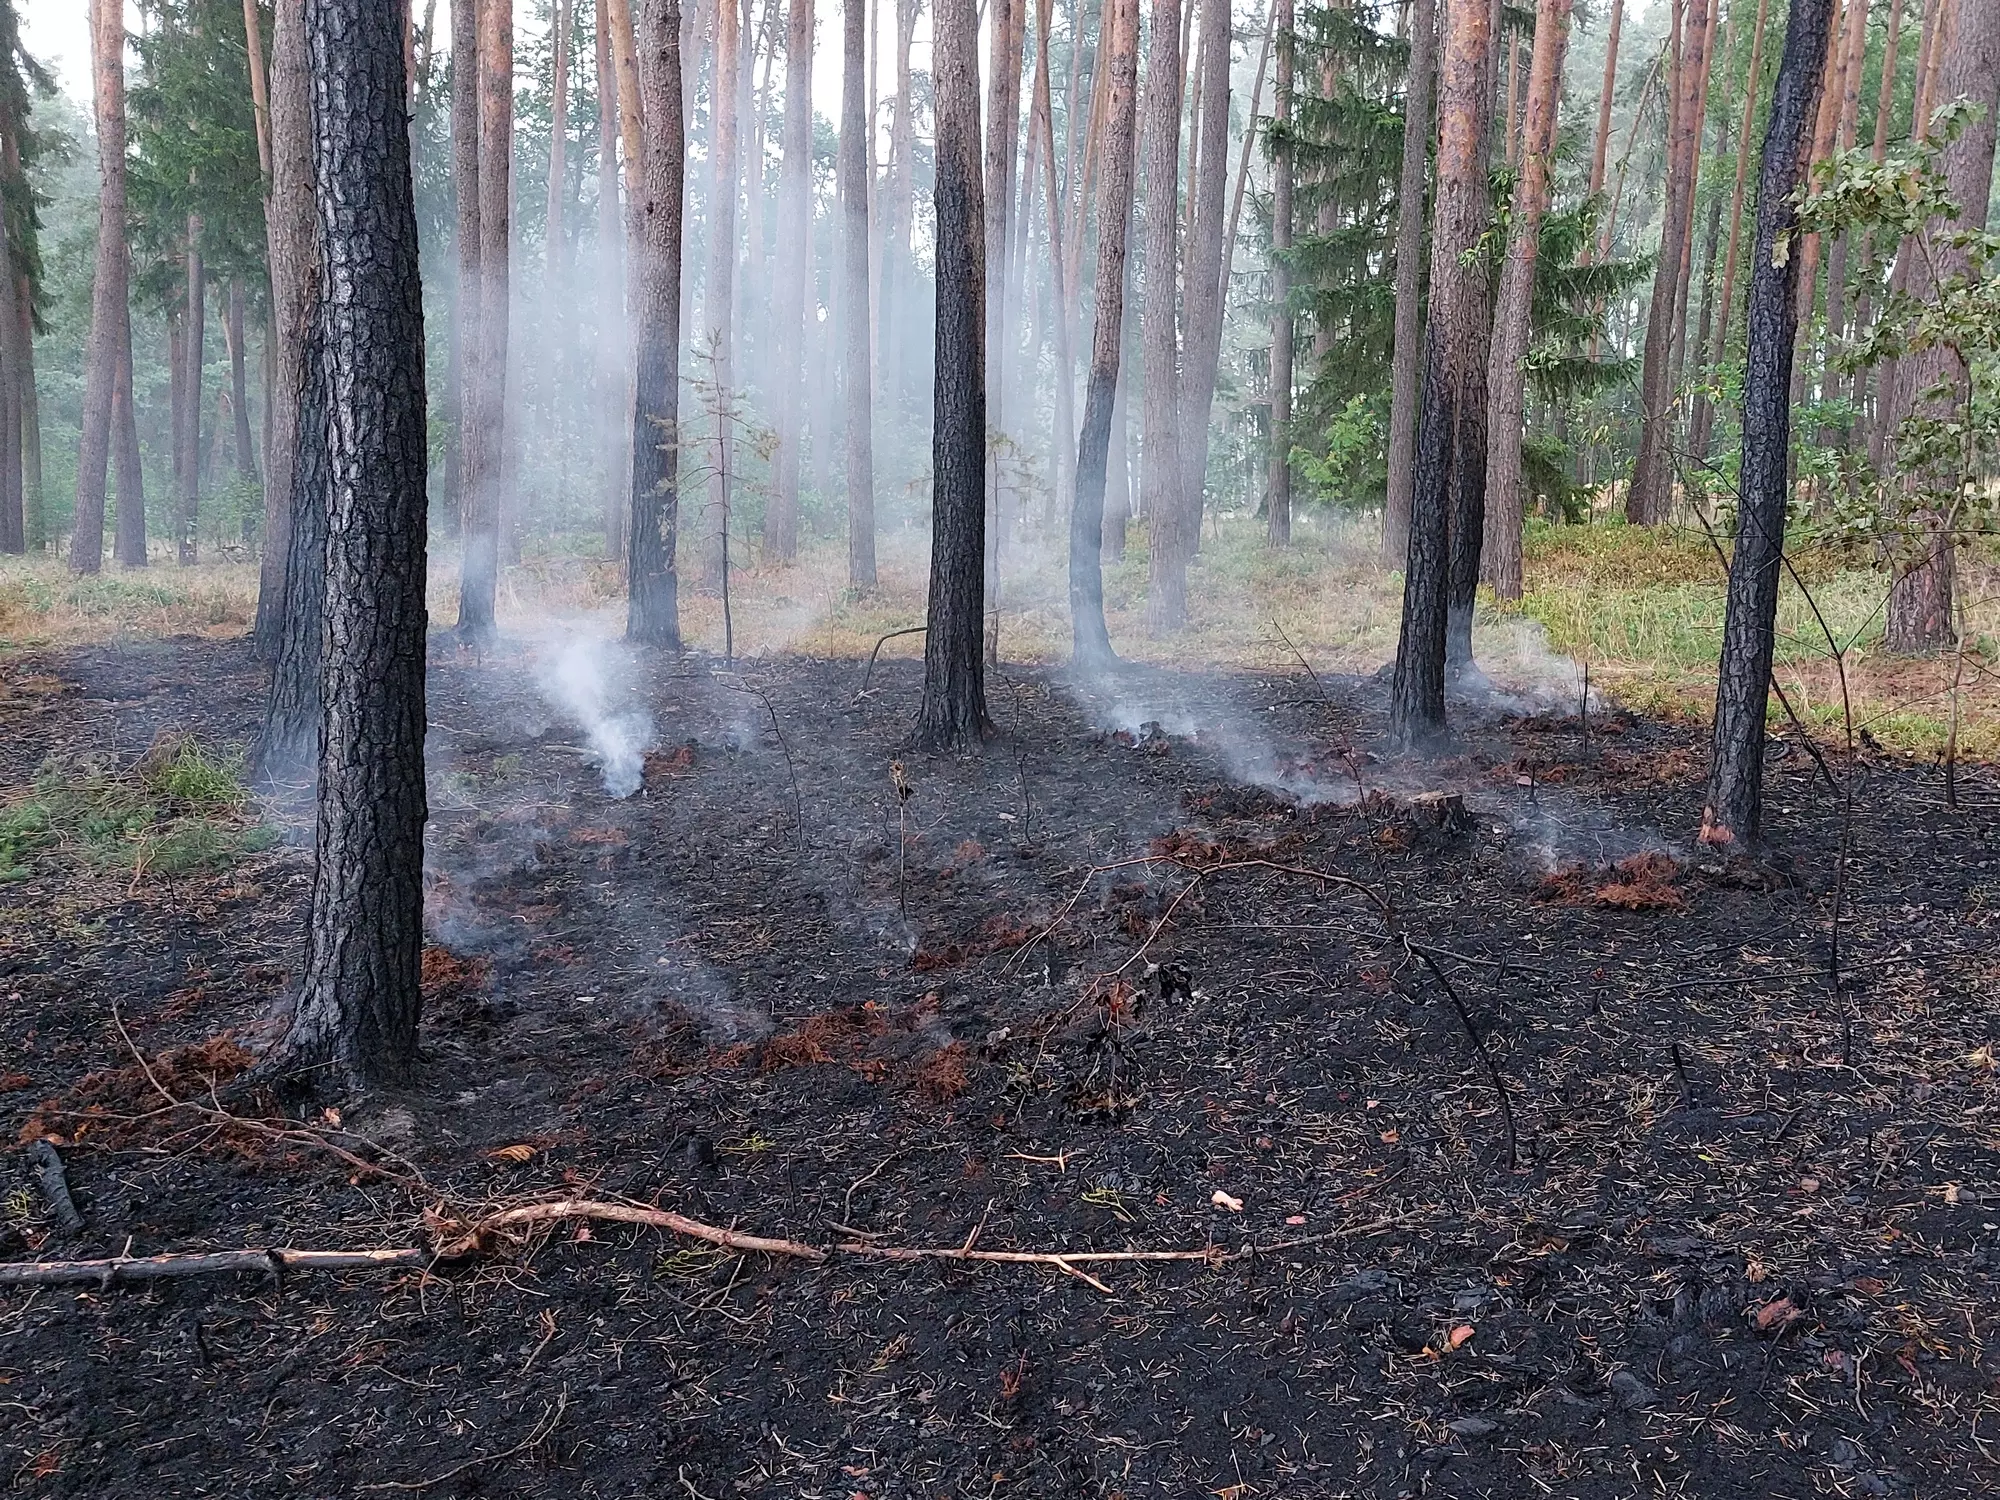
(978, 749)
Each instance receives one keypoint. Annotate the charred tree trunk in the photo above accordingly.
(1921, 609)
(857, 368)
(1207, 191)
(1506, 376)
(294, 293)
(1118, 55)
(486, 472)
(653, 609)
(110, 312)
(1734, 811)
(1160, 460)
(790, 296)
(1650, 497)
(1407, 359)
(1450, 482)
(953, 714)
(359, 1003)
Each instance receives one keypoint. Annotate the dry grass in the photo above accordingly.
(1644, 609)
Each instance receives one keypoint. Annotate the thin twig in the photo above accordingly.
(798, 800)
(1479, 1046)
(868, 675)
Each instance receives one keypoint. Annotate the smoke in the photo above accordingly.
(588, 680)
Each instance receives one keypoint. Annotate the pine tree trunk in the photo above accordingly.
(953, 714)
(1937, 18)
(359, 1003)
(130, 527)
(1207, 191)
(653, 609)
(898, 275)
(1734, 811)
(487, 473)
(1746, 117)
(1160, 456)
(1003, 139)
(857, 374)
(462, 396)
(1506, 376)
(555, 233)
(1118, 466)
(1808, 248)
(1885, 105)
(109, 310)
(718, 301)
(610, 373)
(1450, 481)
(1854, 56)
(13, 514)
(1284, 318)
(294, 292)
(239, 384)
(1511, 141)
(1650, 498)
(1118, 58)
(1921, 603)
(1064, 438)
(789, 294)
(1407, 359)
(1604, 97)
(1677, 350)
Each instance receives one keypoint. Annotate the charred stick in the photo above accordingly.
(54, 1183)
(1479, 1046)
(868, 675)
(273, 1262)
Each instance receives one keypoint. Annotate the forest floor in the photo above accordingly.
(1728, 1225)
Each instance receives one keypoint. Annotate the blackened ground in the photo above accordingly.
(1748, 1247)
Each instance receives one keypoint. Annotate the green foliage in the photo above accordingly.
(1351, 474)
(179, 810)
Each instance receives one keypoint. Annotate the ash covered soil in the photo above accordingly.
(1088, 989)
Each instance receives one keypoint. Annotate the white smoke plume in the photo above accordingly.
(589, 681)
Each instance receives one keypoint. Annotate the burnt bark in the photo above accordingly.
(1407, 360)
(1506, 375)
(1734, 811)
(653, 608)
(294, 285)
(1160, 461)
(1448, 494)
(857, 372)
(953, 714)
(1119, 57)
(359, 1003)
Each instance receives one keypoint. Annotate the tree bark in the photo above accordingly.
(1605, 92)
(555, 233)
(1745, 119)
(194, 349)
(110, 313)
(1064, 442)
(789, 296)
(1207, 190)
(1407, 360)
(13, 513)
(462, 394)
(1854, 56)
(488, 474)
(1937, 20)
(1921, 606)
(653, 609)
(1651, 494)
(1885, 106)
(610, 382)
(897, 271)
(1003, 138)
(857, 374)
(1506, 378)
(1160, 456)
(1734, 811)
(294, 291)
(239, 384)
(953, 713)
(1118, 57)
(359, 1004)
(718, 302)
(34, 496)
(1449, 490)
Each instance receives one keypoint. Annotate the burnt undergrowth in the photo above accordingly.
(1176, 962)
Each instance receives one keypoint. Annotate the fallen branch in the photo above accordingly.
(54, 1183)
(455, 1238)
(273, 1262)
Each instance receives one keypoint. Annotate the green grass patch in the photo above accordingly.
(180, 810)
